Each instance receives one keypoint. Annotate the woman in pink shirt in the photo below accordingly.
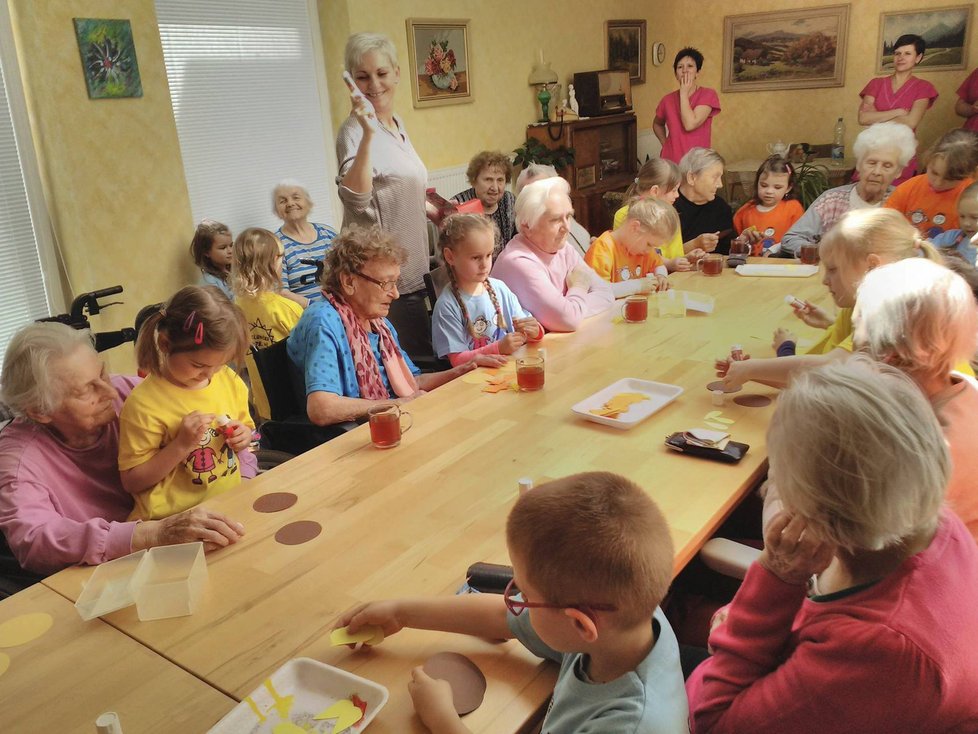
(900, 97)
(966, 105)
(61, 498)
(684, 118)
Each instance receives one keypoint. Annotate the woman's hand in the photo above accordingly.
(240, 438)
(197, 523)
(697, 253)
(530, 327)
(363, 108)
(433, 702)
(511, 342)
(792, 552)
(707, 241)
(813, 315)
(383, 614)
(686, 83)
(482, 360)
(781, 336)
(579, 277)
(192, 430)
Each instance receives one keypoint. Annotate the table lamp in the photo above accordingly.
(543, 76)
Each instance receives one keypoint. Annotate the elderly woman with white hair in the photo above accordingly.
(706, 219)
(549, 278)
(301, 240)
(921, 318)
(577, 236)
(382, 180)
(882, 150)
(862, 610)
(61, 497)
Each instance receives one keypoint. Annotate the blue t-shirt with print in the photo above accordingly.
(448, 332)
(955, 239)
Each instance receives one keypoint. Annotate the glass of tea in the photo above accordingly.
(635, 309)
(739, 248)
(711, 264)
(808, 253)
(529, 373)
(386, 425)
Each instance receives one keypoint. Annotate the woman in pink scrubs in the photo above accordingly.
(684, 118)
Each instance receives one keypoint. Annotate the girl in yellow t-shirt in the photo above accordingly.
(659, 179)
(270, 310)
(185, 430)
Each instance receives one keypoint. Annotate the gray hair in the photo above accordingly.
(360, 44)
(698, 160)
(885, 135)
(875, 463)
(918, 316)
(531, 204)
(531, 173)
(290, 183)
(27, 384)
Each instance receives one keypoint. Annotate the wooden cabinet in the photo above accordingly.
(605, 160)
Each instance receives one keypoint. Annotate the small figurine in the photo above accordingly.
(572, 100)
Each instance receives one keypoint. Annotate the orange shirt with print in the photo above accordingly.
(932, 212)
(772, 224)
(609, 259)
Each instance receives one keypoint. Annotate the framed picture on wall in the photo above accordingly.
(625, 47)
(438, 54)
(785, 49)
(108, 58)
(946, 32)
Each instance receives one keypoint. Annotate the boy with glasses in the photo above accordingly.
(592, 560)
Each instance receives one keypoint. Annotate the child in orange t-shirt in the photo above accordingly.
(930, 200)
(770, 213)
(626, 256)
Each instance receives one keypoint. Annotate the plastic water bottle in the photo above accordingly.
(839, 142)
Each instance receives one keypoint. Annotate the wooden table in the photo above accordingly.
(61, 681)
(410, 520)
(738, 177)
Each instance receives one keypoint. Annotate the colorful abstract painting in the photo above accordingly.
(108, 58)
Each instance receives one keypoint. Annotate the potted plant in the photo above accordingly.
(533, 151)
(811, 179)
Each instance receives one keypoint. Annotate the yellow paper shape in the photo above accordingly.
(254, 707)
(287, 727)
(24, 628)
(619, 403)
(4, 662)
(485, 374)
(370, 634)
(283, 704)
(345, 713)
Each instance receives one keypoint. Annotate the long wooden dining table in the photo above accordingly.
(409, 521)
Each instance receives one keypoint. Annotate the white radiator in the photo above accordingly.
(449, 181)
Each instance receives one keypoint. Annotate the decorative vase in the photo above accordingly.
(442, 81)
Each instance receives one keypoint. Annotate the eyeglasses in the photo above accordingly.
(389, 286)
(516, 606)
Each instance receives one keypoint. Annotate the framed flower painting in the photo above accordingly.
(438, 53)
(108, 58)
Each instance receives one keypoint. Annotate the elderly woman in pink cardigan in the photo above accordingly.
(551, 280)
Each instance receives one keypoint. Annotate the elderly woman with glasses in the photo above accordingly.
(345, 347)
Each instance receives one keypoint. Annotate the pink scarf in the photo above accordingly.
(367, 369)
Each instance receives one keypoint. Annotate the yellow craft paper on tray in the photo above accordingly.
(283, 704)
(371, 634)
(287, 727)
(24, 628)
(344, 711)
(618, 404)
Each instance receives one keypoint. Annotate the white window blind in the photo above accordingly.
(245, 84)
(21, 277)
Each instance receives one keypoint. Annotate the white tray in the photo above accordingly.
(314, 687)
(660, 395)
(777, 271)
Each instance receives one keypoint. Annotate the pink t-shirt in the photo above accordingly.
(539, 280)
(968, 91)
(885, 99)
(678, 141)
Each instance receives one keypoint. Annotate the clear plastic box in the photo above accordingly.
(162, 582)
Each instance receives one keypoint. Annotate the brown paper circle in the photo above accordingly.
(718, 385)
(274, 502)
(298, 532)
(752, 401)
(467, 681)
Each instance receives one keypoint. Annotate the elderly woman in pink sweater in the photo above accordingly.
(551, 280)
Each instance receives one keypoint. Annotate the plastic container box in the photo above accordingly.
(162, 582)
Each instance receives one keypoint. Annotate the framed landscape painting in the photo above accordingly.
(625, 47)
(790, 49)
(945, 31)
(438, 54)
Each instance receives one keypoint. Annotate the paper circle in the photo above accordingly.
(23, 629)
(467, 681)
(752, 401)
(274, 502)
(718, 385)
(4, 662)
(296, 533)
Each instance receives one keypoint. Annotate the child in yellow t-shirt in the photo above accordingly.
(185, 430)
(626, 256)
(271, 311)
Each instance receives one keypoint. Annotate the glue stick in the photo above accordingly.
(224, 425)
(718, 397)
(737, 353)
(108, 723)
(525, 485)
(796, 302)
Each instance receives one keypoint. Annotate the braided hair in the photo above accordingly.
(456, 230)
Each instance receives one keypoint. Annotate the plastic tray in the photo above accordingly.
(765, 270)
(660, 395)
(313, 686)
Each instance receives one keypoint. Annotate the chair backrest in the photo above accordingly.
(281, 381)
(435, 282)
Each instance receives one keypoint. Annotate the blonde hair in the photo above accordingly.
(875, 463)
(876, 231)
(594, 538)
(959, 151)
(353, 248)
(255, 264)
(456, 229)
(656, 216)
(200, 246)
(360, 44)
(659, 172)
(27, 383)
(917, 316)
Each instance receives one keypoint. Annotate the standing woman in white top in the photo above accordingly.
(382, 180)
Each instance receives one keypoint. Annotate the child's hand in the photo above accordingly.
(678, 265)
(511, 342)
(781, 336)
(695, 254)
(192, 429)
(662, 283)
(485, 360)
(707, 241)
(646, 285)
(433, 701)
(813, 315)
(529, 326)
(733, 373)
(383, 614)
(240, 438)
